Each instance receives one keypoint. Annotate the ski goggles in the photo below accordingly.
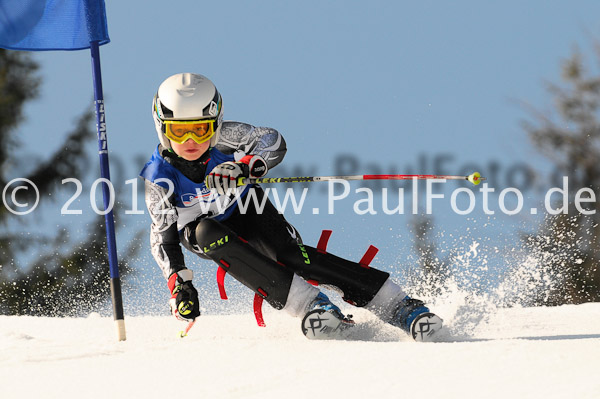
(181, 131)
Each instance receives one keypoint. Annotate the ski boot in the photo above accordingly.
(415, 319)
(324, 320)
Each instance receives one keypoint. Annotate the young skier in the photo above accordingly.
(192, 193)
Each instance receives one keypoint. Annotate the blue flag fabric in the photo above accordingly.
(37, 25)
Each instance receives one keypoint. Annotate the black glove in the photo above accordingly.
(224, 177)
(184, 297)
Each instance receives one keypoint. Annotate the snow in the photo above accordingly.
(544, 352)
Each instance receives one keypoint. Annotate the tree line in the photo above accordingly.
(72, 278)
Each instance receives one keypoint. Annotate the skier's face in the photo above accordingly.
(190, 150)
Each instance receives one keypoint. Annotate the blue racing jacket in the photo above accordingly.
(174, 200)
(192, 200)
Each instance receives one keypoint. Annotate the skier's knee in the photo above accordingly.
(243, 262)
(210, 235)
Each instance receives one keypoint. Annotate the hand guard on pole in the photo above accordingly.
(224, 177)
(184, 297)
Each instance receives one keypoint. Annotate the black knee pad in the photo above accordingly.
(359, 283)
(255, 270)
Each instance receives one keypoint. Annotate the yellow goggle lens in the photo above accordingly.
(182, 131)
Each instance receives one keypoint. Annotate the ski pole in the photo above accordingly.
(184, 333)
(474, 178)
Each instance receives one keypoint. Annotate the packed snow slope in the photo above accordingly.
(508, 353)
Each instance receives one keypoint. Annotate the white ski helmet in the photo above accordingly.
(185, 97)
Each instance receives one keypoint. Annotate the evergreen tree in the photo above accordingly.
(570, 137)
(69, 278)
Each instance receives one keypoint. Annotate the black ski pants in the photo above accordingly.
(263, 251)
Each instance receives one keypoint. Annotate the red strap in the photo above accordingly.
(172, 282)
(368, 256)
(322, 245)
(258, 301)
(221, 282)
(246, 159)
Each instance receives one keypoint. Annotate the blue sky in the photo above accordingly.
(391, 84)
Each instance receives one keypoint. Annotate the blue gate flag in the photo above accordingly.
(37, 25)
